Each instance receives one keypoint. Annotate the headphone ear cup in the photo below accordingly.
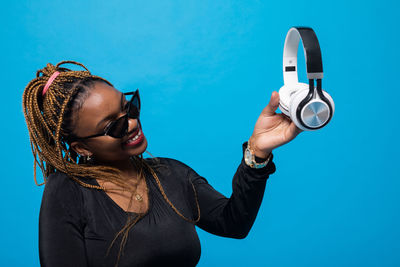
(297, 98)
(284, 99)
(285, 95)
(294, 103)
(330, 101)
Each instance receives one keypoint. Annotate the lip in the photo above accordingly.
(134, 133)
(139, 140)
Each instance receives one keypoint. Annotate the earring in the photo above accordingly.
(85, 159)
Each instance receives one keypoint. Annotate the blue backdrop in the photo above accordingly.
(205, 70)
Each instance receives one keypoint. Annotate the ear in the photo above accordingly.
(80, 148)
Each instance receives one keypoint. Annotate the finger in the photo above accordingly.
(273, 104)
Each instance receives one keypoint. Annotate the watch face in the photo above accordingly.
(247, 156)
(250, 161)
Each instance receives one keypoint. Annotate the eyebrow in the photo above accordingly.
(111, 116)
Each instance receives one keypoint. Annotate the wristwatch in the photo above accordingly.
(252, 160)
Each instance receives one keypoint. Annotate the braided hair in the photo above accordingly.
(50, 121)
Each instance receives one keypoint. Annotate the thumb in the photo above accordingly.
(273, 104)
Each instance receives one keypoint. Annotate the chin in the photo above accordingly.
(136, 150)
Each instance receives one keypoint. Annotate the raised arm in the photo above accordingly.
(232, 217)
(235, 216)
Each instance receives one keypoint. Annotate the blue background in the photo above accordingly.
(205, 70)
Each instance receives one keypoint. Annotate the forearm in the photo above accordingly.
(234, 216)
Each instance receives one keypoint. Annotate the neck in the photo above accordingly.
(128, 169)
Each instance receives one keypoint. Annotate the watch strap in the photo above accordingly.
(259, 160)
(252, 160)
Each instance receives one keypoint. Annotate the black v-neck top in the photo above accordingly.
(77, 224)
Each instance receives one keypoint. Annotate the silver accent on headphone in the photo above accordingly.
(315, 114)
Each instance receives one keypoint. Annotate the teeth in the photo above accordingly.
(135, 138)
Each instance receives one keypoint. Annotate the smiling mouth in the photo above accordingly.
(135, 138)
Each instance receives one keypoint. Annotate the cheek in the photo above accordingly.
(108, 148)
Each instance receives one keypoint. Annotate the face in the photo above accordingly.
(104, 105)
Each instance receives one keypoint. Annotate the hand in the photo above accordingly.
(272, 130)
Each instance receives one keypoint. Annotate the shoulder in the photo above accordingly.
(178, 170)
(171, 169)
(62, 203)
(62, 189)
(165, 163)
(164, 160)
(59, 182)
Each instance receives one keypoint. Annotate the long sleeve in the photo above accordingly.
(232, 217)
(61, 241)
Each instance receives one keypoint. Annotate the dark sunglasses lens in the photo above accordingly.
(134, 108)
(119, 128)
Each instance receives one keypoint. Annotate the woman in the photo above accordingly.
(104, 204)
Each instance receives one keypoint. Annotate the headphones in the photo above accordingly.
(308, 107)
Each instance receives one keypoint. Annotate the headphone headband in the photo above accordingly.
(312, 53)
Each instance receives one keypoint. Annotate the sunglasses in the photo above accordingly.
(119, 127)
